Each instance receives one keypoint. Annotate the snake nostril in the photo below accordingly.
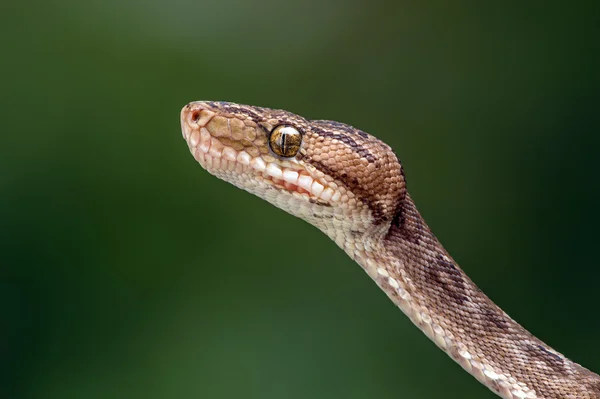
(195, 116)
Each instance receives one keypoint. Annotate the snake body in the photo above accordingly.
(352, 186)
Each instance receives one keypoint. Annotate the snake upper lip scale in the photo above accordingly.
(352, 187)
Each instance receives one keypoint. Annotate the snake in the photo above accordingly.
(352, 186)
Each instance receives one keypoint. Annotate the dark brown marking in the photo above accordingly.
(447, 276)
(405, 225)
(319, 202)
(554, 361)
(343, 127)
(495, 318)
(349, 141)
(233, 109)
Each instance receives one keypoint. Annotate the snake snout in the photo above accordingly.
(191, 114)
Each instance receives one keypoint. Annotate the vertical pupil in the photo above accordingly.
(283, 138)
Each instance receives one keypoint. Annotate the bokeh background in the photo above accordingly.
(126, 271)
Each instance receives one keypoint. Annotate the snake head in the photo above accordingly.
(336, 177)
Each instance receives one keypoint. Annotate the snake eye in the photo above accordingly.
(285, 141)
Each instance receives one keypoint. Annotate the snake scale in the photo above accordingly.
(352, 187)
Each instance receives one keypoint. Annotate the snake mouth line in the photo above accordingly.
(222, 160)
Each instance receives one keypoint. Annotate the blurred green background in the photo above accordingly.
(126, 271)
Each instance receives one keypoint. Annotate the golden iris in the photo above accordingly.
(285, 141)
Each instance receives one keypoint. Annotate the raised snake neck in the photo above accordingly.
(351, 186)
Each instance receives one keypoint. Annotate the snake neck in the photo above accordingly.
(411, 266)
